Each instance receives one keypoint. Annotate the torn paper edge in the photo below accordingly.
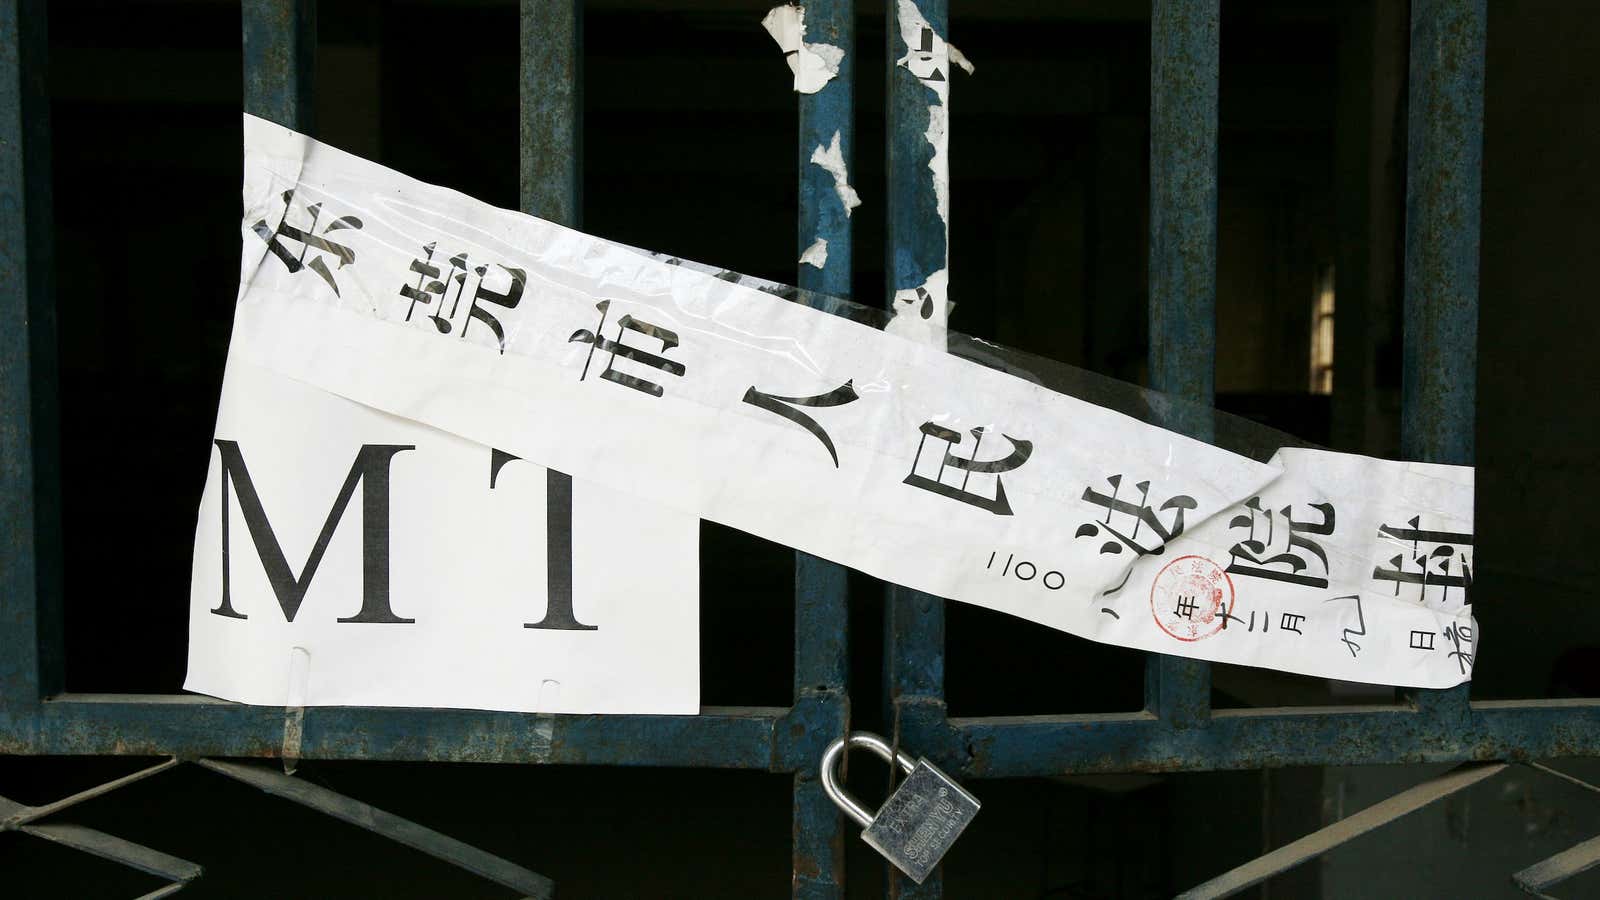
(287, 151)
(545, 732)
(960, 59)
(938, 138)
(816, 254)
(831, 159)
(912, 26)
(813, 65)
(921, 313)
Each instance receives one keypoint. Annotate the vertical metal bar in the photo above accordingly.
(552, 110)
(280, 52)
(821, 588)
(918, 246)
(30, 610)
(550, 84)
(1184, 53)
(1444, 182)
(917, 238)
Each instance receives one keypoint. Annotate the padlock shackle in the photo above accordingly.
(830, 765)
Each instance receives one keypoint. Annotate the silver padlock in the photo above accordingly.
(921, 819)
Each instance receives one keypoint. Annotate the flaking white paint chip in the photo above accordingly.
(928, 56)
(939, 139)
(831, 159)
(814, 65)
(960, 59)
(816, 254)
(922, 313)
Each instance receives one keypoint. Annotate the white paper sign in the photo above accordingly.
(678, 387)
(350, 557)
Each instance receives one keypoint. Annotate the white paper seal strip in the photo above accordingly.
(846, 442)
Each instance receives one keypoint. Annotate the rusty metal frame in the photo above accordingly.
(37, 717)
(1178, 730)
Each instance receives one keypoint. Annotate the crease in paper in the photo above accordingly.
(696, 446)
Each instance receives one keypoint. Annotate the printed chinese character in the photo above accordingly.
(1186, 607)
(1020, 451)
(1286, 622)
(308, 241)
(430, 287)
(1451, 550)
(616, 348)
(507, 299)
(432, 290)
(1253, 556)
(839, 396)
(1142, 517)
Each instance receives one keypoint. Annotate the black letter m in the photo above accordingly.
(372, 464)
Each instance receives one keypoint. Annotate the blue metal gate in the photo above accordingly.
(1176, 731)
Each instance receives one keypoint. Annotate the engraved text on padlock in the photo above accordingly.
(921, 819)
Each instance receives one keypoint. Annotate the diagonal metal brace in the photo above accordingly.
(1569, 862)
(1321, 841)
(404, 831)
(109, 846)
(14, 815)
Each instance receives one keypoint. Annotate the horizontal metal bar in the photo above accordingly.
(403, 831)
(1324, 839)
(749, 737)
(109, 846)
(1254, 739)
(191, 726)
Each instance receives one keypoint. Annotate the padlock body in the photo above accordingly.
(920, 821)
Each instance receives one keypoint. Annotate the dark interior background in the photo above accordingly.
(689, 148)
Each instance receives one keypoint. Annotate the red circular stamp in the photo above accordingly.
(1191, 598)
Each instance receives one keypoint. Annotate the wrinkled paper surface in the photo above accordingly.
(885, 454)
